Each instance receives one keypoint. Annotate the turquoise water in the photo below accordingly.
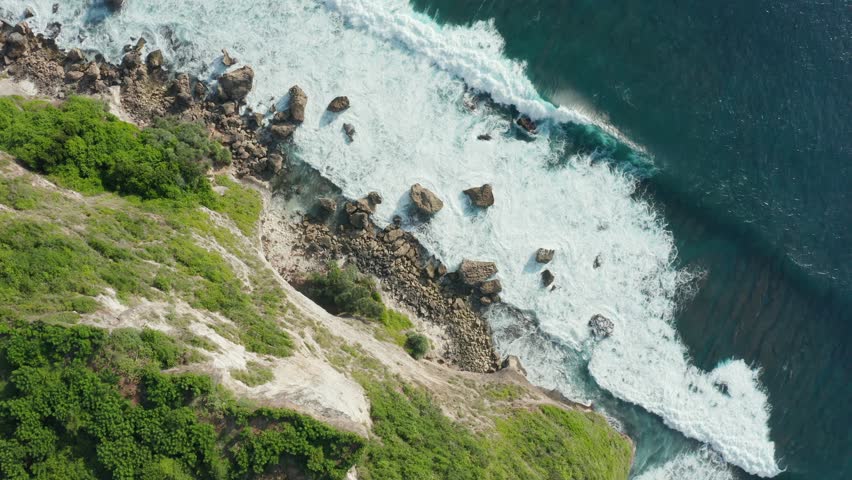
(746, 110)
(732, 117)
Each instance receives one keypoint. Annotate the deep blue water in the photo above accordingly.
(745, 108)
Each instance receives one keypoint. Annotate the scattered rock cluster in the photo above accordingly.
(414, 279)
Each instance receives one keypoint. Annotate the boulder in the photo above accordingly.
(298, 102)
(29, 12)
(473, 273)
(275, 162)
(16, 45)
(598, 262)
(93, 72)
(513, 363)
(23, 28)
(114, 5)
(55, 8)
(601, 326)
(75, 56)
(131, 61)
(281, 132)
(544, 255)
(547, 278)
(236, 84)
(426, 202)
(339, 104)
(359, 220)
(73, 76)
(326, 206)
(491, 287)
(374, 198)
(482, 197)
(484, 137)
(227, 59)
(154, 60)
(349, 130)
(527, 124)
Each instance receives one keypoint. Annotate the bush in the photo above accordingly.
(253, 375)
(85, 148)
(64, 415)
(416, 345)
(346, 291)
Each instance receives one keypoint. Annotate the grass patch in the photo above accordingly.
(547, 443)
(242, 204)
(253, 375)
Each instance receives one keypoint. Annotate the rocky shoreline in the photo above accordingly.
(336, 228)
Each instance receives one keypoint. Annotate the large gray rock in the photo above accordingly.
(236, 85)
(473, 273)
(16, 45)
(298, 102)
(544, 255)
(426, 202)
(339, 104)
(601, 326)
(482, 197)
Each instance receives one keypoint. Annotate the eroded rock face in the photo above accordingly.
(544, 255)
(601, 326)
(426, 202)
(473, 273)
(339, 104)
(482, 197)
(513, 363)
(236, 85)
(298, 102)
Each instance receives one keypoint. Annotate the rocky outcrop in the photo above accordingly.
(236, 84)
(491, 287)
(601, 326)
(513, 363)
(349, 130)
(115, 5)
(338, 105)
(16, 45)
(282, 132)
(527, 124)
(473, 273)
(227, 59)
(544, 255)
(298, 102)
(155, 60)
(482, 197)
(547, 278)
(426, 202)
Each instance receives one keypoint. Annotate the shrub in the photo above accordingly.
(416, 345)
(85, 148)
(346, 291)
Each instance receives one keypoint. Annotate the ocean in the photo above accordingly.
(698, 151)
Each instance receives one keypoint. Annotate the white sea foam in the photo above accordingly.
(402, 72)
(701, 465)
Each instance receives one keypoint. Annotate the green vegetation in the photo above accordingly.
(416, 345)
(80, 403)
(85, 148)
(253, 375)
(347, 291)
(240, 203)
(547, 443)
